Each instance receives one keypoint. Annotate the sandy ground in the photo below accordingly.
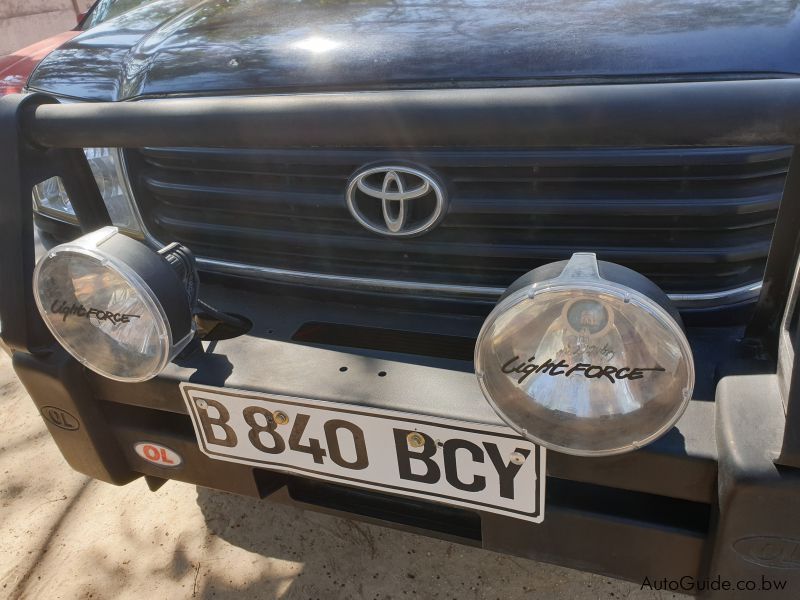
(63, 535)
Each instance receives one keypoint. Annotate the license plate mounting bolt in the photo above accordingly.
(281, 418)
(415, 439)
(517, 458)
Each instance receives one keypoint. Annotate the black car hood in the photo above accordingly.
(250, 46)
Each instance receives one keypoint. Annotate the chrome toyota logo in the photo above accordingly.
(396, 201)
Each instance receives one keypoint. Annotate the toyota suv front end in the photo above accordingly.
(517, 276)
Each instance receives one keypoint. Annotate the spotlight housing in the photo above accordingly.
(120, 308)
(586, 358)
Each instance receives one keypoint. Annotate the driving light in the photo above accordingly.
(120, 308)
(585, 357)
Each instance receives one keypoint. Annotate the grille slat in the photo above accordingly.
(278, 201)
(231, 232)
(527, 231)
(487, 213)
(439, 158)
(694, 220)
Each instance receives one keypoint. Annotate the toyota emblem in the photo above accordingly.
(396, 201)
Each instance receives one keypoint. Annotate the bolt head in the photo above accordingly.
(281, 418)
(201, 404)
(517, 458)
(415, 440)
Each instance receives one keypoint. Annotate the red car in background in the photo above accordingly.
(16, 68)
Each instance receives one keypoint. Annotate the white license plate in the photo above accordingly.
(483, 467)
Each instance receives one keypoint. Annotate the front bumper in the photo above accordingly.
(715, 496)
(659, 498)
(649, 513)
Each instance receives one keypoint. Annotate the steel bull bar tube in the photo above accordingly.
(709, 114)
(758, 493)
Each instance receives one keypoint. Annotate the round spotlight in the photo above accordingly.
(586, 358)
(117, 306)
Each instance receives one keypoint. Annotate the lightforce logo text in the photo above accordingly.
(64, 308)
(525, 368)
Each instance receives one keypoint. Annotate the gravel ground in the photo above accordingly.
(63, 535)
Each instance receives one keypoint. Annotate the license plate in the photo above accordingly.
(482, 467)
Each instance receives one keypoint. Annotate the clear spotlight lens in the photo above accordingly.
(101, 310)
(585, 362)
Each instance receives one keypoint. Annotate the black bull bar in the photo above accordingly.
(756, 495)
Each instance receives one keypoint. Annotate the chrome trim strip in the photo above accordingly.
(740, 294)
(439, 290)
(349, 282)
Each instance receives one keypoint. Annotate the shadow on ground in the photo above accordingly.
(345, 559)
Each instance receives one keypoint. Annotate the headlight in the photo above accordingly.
(117, 306)
(51, 199)
(585, 358)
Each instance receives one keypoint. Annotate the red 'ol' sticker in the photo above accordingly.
(158, 454)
